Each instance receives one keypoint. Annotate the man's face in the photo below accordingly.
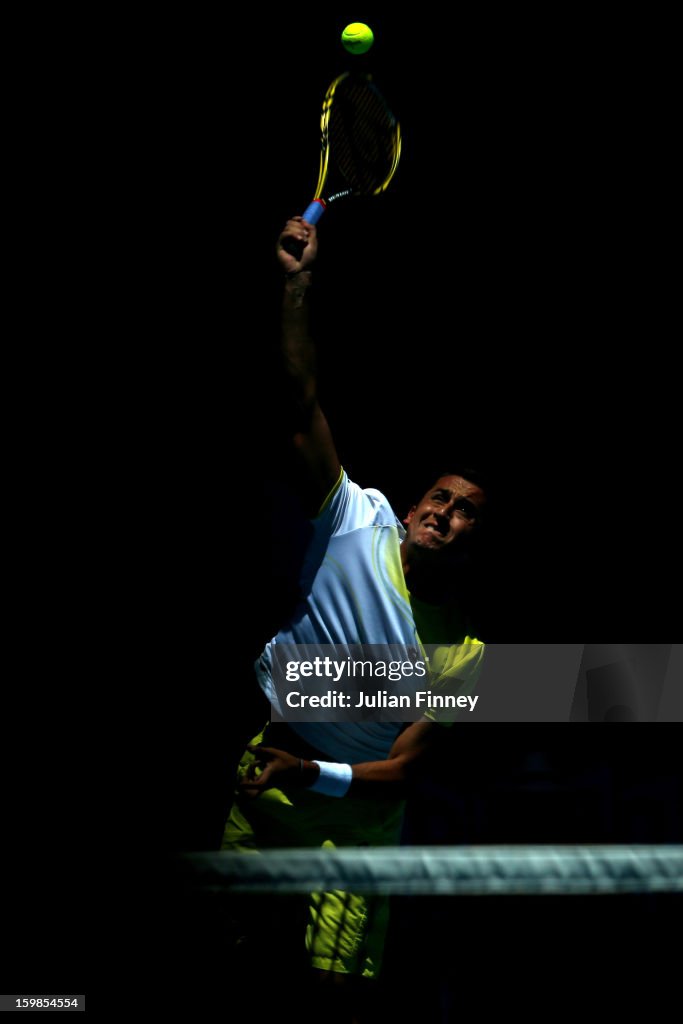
(445, 517)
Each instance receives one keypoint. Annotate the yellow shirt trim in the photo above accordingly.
(332, 493)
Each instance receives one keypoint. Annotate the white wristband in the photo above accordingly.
(334, 779)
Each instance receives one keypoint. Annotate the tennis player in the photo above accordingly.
(367, 578)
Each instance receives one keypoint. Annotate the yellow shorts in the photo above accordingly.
(345, 932)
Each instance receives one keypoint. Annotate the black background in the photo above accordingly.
(499, 305)
(502, 304)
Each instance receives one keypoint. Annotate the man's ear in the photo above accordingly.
(410, 515)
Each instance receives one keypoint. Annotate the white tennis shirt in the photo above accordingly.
(354, 592)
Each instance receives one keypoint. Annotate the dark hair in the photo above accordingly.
(479, 476)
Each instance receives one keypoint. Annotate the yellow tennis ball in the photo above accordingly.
(357, 37)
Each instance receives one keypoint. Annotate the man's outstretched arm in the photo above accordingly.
(296, 251)
(373, 779)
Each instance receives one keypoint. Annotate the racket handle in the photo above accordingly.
(314, 211)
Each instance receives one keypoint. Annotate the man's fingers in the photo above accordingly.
(252, 786)
(297, 228)
(250, 789)
(264, 753)
(300, 229)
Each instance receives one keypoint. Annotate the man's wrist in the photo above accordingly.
(310, 771)
(296, 287)
(297, 281)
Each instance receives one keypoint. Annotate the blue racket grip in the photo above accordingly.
(314, 211)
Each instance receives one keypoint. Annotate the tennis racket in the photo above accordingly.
(360, 143)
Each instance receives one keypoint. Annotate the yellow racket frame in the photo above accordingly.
(325, 141)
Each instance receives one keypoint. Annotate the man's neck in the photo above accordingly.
(425, 582)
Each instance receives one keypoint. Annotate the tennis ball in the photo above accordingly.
(357, 37)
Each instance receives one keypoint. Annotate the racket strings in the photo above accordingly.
(363, 138)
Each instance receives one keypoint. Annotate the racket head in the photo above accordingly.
(360, 138)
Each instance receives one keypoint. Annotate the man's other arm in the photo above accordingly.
(370, 779)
